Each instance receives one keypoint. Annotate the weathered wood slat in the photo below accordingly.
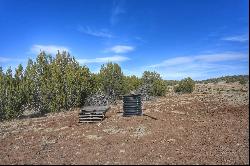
(95, 108)
(133, 113)
(82, 116)
(92, 114)
(88, 121)
(93, 117)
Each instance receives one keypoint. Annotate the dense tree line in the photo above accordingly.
(47, 84)
(51, 84)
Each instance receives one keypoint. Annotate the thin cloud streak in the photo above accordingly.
(228, 56)
(173, 61)
(201, 66)
(121, 49)
(221, 57)
(200, 71)
(5, 60)
(51, 49)
(97, 33)
(115, 58)
(117, 9)
(239, 38)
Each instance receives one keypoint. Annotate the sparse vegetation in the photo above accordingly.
(242, 79)
(176, 121)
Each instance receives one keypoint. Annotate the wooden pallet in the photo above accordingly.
(92, 114)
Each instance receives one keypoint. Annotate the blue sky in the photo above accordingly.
(176, 38)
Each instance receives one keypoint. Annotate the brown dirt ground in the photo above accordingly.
(176, 129)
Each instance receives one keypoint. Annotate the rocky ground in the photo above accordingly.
(210, 126)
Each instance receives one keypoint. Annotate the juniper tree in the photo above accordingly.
(19, 86)
(29, 84)
(154, 84)
(130, 83)
(11, 91)
(111, 79)
(186, 85)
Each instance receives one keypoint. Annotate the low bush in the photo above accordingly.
(186, 85)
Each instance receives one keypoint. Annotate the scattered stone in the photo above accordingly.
(122, 151)
(94, 137)
(178, 112)
(171, 140)
(144, 90)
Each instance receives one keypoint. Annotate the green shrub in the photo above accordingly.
(157, 86)
(186, 85)
(111, 79)
(130, 83)
(242, 81)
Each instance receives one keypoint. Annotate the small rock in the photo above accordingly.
(122, 151)
(171, 140)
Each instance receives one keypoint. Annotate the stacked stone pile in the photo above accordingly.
(144, 90)
(100, 99)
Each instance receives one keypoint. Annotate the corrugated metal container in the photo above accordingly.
(132, 105)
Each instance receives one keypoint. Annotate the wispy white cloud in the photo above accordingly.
(5, 60)
(228, 56)
(115, 58)
(51, 49)
(237, 38)
(97, 33)
(140, 39)
(137, 71)
(218, 57)
(173, 61)
(121, 49)
(200, 66)
(117, 9)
